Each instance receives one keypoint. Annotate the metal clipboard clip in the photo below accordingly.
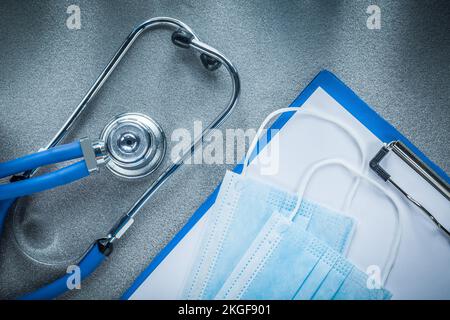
(404, 153)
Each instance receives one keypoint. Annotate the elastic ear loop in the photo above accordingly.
(397, 236)
(393, 250)
(351, 133)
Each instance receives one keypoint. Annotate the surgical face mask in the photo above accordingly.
(352, 283)
(220, 254)
(286, 261)
(242, 208)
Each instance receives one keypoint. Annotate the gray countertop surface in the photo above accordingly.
(402, 71)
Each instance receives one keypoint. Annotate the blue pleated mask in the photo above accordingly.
(242, 208)
(294, 248)
(288, 261)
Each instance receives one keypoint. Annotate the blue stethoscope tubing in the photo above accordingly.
(46, 181)
(183, 37)
(88, 264)
(54, 155)
(10, 192)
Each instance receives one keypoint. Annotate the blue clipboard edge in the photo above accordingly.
(350, 101)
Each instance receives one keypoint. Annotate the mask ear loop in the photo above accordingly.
(393, 250)
(351, 133)
(397, 236)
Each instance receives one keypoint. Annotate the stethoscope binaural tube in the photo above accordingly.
(43, 182)
(54, 155)
(20, 187)
(212, 59)
(46, 181)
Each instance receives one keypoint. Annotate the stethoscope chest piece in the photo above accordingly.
(135, 144)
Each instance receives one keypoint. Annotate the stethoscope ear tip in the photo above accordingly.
(183, 39)
(210, 63)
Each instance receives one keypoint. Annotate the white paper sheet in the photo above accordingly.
(421, 266)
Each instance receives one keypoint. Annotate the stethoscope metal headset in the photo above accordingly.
(131, 145)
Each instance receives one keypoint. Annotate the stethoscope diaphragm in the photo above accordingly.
(135, 144)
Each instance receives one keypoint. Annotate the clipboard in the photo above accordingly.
(428, 257)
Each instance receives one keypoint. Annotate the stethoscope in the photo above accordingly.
(131, 145)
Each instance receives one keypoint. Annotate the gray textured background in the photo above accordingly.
(402, 71)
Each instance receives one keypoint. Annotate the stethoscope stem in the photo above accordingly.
(128, 219)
